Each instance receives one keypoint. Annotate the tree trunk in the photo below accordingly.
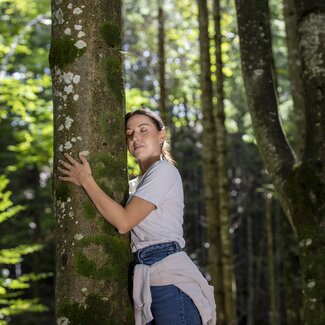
(294, 64)
(300, 186)
(222, 178)
(162, 81)
(273, 313)
(250, 272)
(209, 168)
(86, 65)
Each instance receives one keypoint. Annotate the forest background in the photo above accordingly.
(267, 288)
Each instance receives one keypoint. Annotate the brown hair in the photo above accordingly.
(165, 149)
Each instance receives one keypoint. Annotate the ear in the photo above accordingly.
(162, 135)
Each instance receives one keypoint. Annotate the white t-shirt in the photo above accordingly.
(161, 185)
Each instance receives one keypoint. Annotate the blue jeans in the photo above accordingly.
(170, 305)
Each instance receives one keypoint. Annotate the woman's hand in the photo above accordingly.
(75, 172)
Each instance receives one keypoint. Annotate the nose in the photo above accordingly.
(135, 136)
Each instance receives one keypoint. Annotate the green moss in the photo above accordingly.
(89, 209)
(111, 34)
(112, 67)
(64, 51)
(110, 261)
(98, 311)
(106, 165)
(63, 191)
(112, 125)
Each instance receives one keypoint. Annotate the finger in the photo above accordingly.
(68, 179)
(83, 158)
(63, 171)
(72, 161)
(65, 164)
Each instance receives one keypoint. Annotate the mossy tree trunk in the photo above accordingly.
(86, 65)
(229, 282)
(210, 172)
(300, 184)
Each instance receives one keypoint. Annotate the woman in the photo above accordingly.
(168, 288)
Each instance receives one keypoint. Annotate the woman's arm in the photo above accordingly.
(124, 219)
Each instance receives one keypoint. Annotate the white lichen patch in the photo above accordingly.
(60, 147)
(78, 236)
(76, 79)
(58, 2)
(81, 34)
(85, 153)
(61, 127)
(68, 89)
(79, 138)
(70, 6)
(311, 284)
(71, 214)
(77, 11)
(62, 321)
(75, 97)
(59, 16)
(67, 123)
(84, 290)
(305, 242)
(67, 31)
(67, 145)
(80, 44)
(67, 77)
(77, 27)
(258, 72)
(308, 242)
(313, 300)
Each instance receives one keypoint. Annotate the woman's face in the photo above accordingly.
(143, 138)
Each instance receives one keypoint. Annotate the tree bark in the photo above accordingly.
(300, 186)
(162, 81)
(294, 65)
(229, 282)
(273, 313)
(209, 169)
(86, 65)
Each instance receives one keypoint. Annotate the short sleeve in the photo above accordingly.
(157, 182)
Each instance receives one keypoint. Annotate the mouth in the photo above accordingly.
(137, 147)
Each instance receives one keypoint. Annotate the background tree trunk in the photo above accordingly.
(229, 282)
(295, 72)
(273, 313)
(86, 65)
(301, 186)
(162, 81)
(215, 268)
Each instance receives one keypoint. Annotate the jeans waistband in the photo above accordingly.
(154, 253)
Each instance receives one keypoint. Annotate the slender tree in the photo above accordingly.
(273, 313)
(295, 73)
(222, 177)
(86, 65)
(300, 183)
(162, 70)
(211, 201)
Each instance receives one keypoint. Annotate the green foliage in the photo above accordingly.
(10, 301)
